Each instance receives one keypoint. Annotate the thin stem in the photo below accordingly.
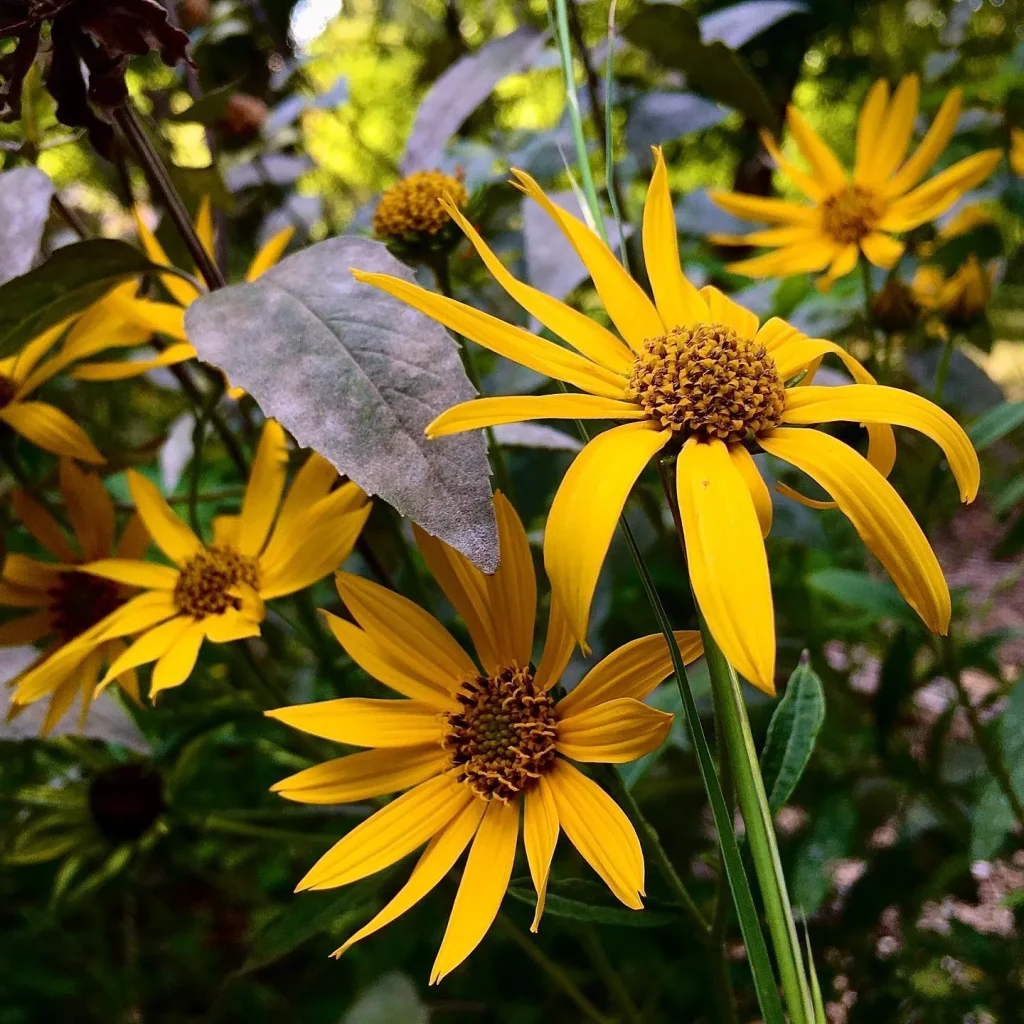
(198, 435)
(234, 449)
(942, 370)
(553, 971)
(70, 216)
(606, 971)
(611, 181)
(720, 979)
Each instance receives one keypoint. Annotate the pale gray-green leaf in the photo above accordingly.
(391, 998)
(357, 376)
(25, 195)
(738, 24)
(535, 435)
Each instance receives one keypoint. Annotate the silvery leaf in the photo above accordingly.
(535, 435)
(663, 116)
(738, 24)
(25, 195)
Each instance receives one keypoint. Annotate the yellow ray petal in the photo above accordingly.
(50, 673)
(540, 836)
(935, 141)
(158, 317)
(361, 776)
(126, 369)
(585, 335)
(633, 670)
(134, 573)
(724, 310)
(842, 264)
(512, 590)
(775, 332)
(13, 595)
(772, 237)
(270, 252)
(869, 127)
(678, 302)
(134, 539)
(172, 536)
(176, 665)
(182, 291)
(501, 338)
(138, 614)
(38, 521)
(20, 366)
(597, 827)
(415, 635)
(24, 571)
(862, 403)
(726, 556)
(483, 885)
(759, 493)
(877, 512)
(490, 412)
(586, 510)
(312, 483)
(390, 834)
(264, 489)
(366, 721)
(899, 126)
(881, 249)
(89, 508)
(559, 643)
(204, 227)
(824, 164)
(50, 429)
(807, 183)
(26, 629)
(633, 314)
(771, 211)
(435, 862)
(613, 732)
(234, 624)
(800, 258)
(149, 647)
(408, 676)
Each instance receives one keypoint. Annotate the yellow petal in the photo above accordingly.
(270, 252)
(312, 483)
(361, 776)
(881, 249)
(134, 573)
(869, 128)
(24, 571)
(771, 211)
(149, 647)
(435, 862)
(864, 403)
(800, 258)
(586, 510)
(772, 237)
(724, 310)
(20, 366)
(585, 335)
(415, 635)
(204, 227)
(501, 338)
(264, 489)
(390, 834)
(759, 492)
(842, 264)
(51, 672)
(597, 827)
(678, 302)
(126, 369)
(559, 643)
(13, 595)
(490, 412)
(935, 141)
(89, 508)
(51, 429)
(38, 521)
(171, 534)
(899, 126)
(234, 624)
(877, 513)
(182, 291)
(134, 539)
(807, 183)
(613, 732)
(483, 885)
(158, 317)
(366, 722)
(391, 665)
(540, 836)
(26, 629)
(633, 314)
(775, 332)
(824, 164)
(177, 664)
(512, 590)
(727, 561)
(633, 670)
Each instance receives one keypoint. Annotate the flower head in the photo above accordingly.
(701, 378)
(959, 299)
(859, 212)
(411, 209)
(475, 740)
(68, 605)
(216, 591)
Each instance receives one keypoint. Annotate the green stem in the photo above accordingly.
(198, 435)
(611, 182)
(720, 980)
(942, 370)
(606, 971)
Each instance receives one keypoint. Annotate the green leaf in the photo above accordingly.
(877, 596)
(71, 280)
(829, 840)
(819, 1003)
(1009, 497)
(792, 733)
(996, 424)
(579, 899)
(671, 35)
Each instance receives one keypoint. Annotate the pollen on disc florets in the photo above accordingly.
(849, 215)
(207, 577)
(79, 601)
(503, 736)
(705, 380)
(412, 208)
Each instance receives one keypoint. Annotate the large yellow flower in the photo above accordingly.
(68, 604)
(700, 377)
(216, 592)
(477, 740)
(856, 213)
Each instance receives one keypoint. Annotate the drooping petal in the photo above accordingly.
(390, 834)
(52, 430)
(264, 489)
(483, 885)
(176, 665)
(724, 310)
(869, 127)
(490, 412)
(370, 773)
(586, 510)
(89, 508)
(38, 521)
(726, 557)
(601, 832)
(169, 532)
(633, 670)
(759, 493)
(134, 573)
(613, 732)
(269, 253)
(894, 139)
(935, 141)
(877, 512)
(366, 721)
(826, 167)
(512, 590)
(540, 836)
(678, 302)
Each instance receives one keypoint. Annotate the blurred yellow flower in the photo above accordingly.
(475, 741)
(411, 208)
(1017, 151)
(852, 214)
(70, 606)
(960, 298)
(967, 219)
(702, 378)
(216, 592)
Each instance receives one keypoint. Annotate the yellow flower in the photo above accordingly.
(972, 216)
(216, 592)
(412, 208)
(961, 298)
(477, 739)
(167, 318)
(69, 604)
(1017, 151)
(851, 214)
(698, 375)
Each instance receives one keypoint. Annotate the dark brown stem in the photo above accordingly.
(69, 216)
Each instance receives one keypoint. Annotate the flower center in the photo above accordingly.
(412, 207)
(849, 215)
(504, 736)
(8, 389)
(79, 601)
(705, 380)
(205, 579)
